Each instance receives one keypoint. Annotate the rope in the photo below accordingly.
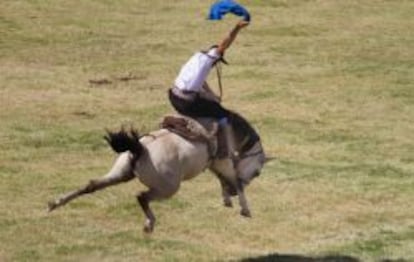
(218, 70)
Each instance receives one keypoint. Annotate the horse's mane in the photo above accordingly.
(243, 130)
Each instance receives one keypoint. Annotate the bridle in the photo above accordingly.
(247, 155)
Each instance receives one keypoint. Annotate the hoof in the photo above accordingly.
(148, 230)
(245, 213)
(51, 206)
(148, 227)
(228, 204)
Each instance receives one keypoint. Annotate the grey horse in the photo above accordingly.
(162, 159)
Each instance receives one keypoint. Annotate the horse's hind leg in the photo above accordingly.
(143, 200)
(162, 191)
(92, 186)
(121, 172)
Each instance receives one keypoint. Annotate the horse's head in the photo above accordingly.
(250, 151)
(251, 163)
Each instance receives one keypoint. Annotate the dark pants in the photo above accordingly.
(198, 107)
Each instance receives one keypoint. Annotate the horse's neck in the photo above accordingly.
(244, 142)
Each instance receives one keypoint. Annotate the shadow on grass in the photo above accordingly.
(299, 258)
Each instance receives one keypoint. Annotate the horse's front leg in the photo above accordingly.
(245, 211)
(225, 191)
(226, 198)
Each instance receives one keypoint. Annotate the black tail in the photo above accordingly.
(125, 141)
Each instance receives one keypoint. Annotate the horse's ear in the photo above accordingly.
(269, 159)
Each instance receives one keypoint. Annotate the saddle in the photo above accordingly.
(194, 129)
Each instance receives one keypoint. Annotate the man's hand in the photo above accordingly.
(242, 24)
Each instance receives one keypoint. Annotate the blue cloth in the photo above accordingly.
(222, 7)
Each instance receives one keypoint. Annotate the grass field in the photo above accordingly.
(329, 85)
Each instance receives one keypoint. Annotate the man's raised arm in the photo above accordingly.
(231, 36)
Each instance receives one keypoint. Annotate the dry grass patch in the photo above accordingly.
(327, 84)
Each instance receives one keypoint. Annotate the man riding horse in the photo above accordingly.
(191, 95)
(161, 160)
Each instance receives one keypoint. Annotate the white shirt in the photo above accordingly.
(193, 73)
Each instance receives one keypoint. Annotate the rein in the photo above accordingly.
(218, 70)
(217, 64)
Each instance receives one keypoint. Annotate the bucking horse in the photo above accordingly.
(180, 150)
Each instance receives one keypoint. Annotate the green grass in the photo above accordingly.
(329, 85)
